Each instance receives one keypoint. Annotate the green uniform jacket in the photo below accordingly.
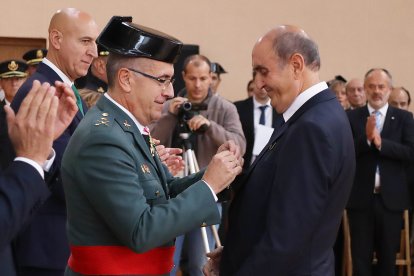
(117, 194)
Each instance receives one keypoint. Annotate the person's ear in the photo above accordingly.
(298, 64)
(55, 38)
(124, 80)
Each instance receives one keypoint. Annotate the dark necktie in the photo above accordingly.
(262, 119)
(78, 99)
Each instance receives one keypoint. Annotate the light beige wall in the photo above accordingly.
(353, 35)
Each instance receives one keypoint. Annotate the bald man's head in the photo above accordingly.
(72, 47)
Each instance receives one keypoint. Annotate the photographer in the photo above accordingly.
(210, 121)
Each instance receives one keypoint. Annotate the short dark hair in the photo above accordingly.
(289, 43)
(197, 58)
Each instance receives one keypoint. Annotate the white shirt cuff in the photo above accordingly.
(214, 194)
(32, 163)
(49, 161)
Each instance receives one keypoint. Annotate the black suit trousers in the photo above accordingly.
(375, 229)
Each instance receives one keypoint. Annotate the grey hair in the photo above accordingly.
(289, 43)
(116, 62)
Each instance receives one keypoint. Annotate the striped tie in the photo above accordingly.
(378, 120)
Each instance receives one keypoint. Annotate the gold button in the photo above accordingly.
(157, 193)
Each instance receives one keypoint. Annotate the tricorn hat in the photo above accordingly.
(217, 68)
(123, 37)
(13, 68)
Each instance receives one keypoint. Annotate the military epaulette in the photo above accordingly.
(103, 120)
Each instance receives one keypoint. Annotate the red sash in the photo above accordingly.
(120, 260)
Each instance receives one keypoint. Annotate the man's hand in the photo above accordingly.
(67, 108)
(231, 146)
(175, 105)
(197, 121)
(170, 157)
(370, 128)
(221, 171)
(29, 129)
(372, 132)
(212, 267)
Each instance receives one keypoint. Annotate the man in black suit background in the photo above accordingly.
(384, 143)
(286, 212)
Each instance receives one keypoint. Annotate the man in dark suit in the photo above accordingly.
(250, 111)
(22, 187)
(124, 207)
(42, 248)
(384, 144)
(287, 209)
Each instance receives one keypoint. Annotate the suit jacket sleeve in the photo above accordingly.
(296, 203)
(22, 190)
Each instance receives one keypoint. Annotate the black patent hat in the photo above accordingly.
(123, 37)
(217, 68)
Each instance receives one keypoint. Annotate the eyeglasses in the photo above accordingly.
(163, 82)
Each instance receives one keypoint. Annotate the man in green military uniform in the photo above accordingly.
(124, 207)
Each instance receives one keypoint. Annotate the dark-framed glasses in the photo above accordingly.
(163, 82)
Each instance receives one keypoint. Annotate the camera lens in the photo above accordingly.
(186, 106)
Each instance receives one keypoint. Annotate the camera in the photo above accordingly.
(187, 111)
